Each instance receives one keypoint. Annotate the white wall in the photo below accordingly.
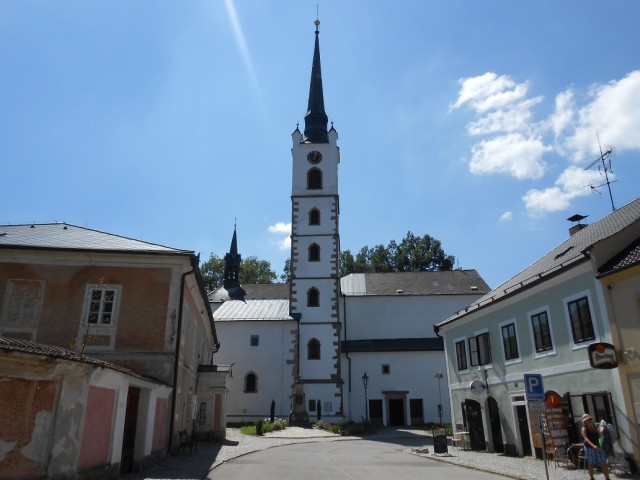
(270, 361)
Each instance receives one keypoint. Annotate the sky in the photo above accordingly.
(170, 122)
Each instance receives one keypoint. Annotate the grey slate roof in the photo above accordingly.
(62, 236)
(34, 348)
(629, 257)
(563, 257)
(252, 310)
(456, 282)
(268, 291)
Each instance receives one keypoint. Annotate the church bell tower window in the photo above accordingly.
(314, 179)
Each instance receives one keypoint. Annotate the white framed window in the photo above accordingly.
(541, 332)
(579, 314)
(461, 354)
(480, 349)
(102, 304)
(510, 341)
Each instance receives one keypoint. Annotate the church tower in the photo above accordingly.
(315, 247)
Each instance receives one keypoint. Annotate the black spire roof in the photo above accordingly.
(232, 264)
(315, 121)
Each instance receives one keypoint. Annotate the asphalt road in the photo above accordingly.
(356, 459)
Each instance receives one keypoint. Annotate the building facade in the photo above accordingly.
(542, 321)
(388, 340)
(130, 303)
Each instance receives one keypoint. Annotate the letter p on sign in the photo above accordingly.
(533, 387)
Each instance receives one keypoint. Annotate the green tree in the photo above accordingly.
(285, 277)
(252, 270)
(412, 254)
(212, 272)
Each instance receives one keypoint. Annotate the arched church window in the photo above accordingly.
(314, 179)
(251, 383)
(313, 298)
(314, 252)
(313, 349)
(314, 216)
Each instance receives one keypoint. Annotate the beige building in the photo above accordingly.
(128, 303)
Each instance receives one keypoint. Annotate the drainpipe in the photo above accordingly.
(177, 358)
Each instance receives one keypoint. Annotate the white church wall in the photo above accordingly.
(327, 208)
(325, 366)
(270, 361)
(328, 395)
(373, 317)
(330, 157)
(322, 313)
(411, 372)
(325, 266)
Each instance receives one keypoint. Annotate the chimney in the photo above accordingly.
(578, 226)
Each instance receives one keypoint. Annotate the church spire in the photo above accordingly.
(232, 262)
(315, 121)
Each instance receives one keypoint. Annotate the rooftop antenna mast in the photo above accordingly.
(605, 158)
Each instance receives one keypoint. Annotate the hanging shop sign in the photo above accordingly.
(602, 355)
(477, 387)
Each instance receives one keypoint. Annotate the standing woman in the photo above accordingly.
(592, 451)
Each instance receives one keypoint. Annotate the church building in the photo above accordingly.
(287, 344)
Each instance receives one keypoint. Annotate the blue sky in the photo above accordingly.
(469, 121)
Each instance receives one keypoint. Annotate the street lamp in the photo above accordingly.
(438, 375)
(365, 382)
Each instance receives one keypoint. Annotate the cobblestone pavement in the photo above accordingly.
(211, 454)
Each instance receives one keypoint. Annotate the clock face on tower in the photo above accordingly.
(314, 157)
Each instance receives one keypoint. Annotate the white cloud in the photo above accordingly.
(477, 90)
(512, 141)
(284, 230)
(506, 216)
(513, 154)
(280, 227)
(614, 113)
(516, 118)
(573, 182)
(564, 112)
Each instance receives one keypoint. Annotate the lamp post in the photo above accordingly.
(365, 382)
(438, 375)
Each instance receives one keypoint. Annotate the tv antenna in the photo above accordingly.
(605, 159)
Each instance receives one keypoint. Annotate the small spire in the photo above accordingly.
(232, 262)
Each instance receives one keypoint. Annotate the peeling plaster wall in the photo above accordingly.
(56, 420)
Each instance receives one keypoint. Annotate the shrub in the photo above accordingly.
(345, 428)
(259, 426)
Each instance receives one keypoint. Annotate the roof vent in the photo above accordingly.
(473, 287)
(399, 291)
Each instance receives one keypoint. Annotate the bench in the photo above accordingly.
(187, 441)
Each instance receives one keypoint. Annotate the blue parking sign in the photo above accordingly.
(533, 387)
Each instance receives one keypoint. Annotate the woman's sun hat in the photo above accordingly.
(586, 417)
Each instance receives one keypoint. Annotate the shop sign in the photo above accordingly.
(477, 387)
(602, 355)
